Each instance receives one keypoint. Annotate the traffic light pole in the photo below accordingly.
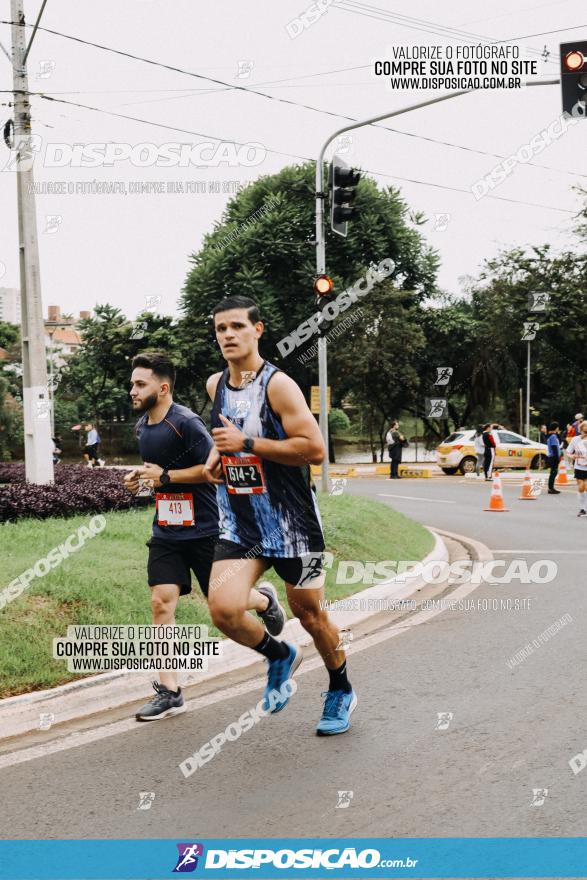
(528, 393)
(36, 404)
(321, 241)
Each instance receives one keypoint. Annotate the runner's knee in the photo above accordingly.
(227, 618)
(312, 619)
(162, 603)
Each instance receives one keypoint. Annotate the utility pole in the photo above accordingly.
(528, 393)
(321, 238)
(35, 393)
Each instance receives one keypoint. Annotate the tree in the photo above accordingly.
(338, 421)
(11, 423)
(10, 339)
(480, 338)
(264, 248)
(98, 375)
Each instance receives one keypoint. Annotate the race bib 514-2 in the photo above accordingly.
(243, 474)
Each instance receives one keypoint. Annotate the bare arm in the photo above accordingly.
(212, 384)
(193, 474)
(303, 444)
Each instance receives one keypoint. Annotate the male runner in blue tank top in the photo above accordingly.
(265, 439)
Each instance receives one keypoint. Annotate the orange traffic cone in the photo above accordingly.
(496, 502)
(562, 479)
(527, 494)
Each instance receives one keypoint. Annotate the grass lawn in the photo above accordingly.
(105, 581)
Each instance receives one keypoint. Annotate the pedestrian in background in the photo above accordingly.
(577, 451)
(92, 447)
(554, 456)
(489, 445)
(479, 449)
(395, 445)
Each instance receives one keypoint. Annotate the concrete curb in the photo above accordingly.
(424, 471)
(111, 690)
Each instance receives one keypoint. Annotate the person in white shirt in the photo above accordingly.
(577, 451)
(92, 446)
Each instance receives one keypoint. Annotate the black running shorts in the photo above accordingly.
(171, 562)
(580, 474)
(300, 571)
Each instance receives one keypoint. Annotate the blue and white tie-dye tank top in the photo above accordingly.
(263, 504)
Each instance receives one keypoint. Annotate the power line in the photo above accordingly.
(229, 86)
(350, 119)
(305, 158)
(360, 8)
(213, 137)
(181, 70)
(468, 192)
(252, 91)
(516, 12)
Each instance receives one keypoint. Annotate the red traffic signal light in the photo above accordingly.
(573, 68)
(574, 60)
(323, 285)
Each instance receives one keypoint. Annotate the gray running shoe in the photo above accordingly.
(274, 617)
(164, 703)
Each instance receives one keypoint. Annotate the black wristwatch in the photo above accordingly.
(248, 444)
(164, 479)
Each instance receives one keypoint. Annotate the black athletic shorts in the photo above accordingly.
(299, 571)
(170, 562)
(580, 474)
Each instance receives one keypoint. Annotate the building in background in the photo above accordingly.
(62, 336)
(10, 305)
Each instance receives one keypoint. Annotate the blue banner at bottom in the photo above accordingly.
(296, 857)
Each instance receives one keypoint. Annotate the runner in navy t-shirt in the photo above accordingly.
(174, 445)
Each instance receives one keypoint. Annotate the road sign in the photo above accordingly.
(315, 399)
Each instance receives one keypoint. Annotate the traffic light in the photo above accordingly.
(343, 189)
(323, 287)
(573, 58)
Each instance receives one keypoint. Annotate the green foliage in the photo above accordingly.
(11, 423)
(264, 248)
(338, 421)
(481, 338)
(98, 375)
(10, 339)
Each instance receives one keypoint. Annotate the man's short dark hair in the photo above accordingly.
(157, 361)
(553, 426)
(239, 302)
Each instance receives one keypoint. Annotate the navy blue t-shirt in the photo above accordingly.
(180, 441)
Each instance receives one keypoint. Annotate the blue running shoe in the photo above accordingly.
(280, 684)
(336, 715)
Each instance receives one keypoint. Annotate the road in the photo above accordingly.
(512, 730)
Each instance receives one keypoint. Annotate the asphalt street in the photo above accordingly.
(480, 771)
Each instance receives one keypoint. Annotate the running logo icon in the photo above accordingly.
(188, 857)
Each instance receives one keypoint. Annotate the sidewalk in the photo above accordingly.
(111, 690)
(410, 469)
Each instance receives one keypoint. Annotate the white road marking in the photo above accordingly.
(542, 552)
(81, 738)
(414, 498)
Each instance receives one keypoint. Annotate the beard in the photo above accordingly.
(146, 404)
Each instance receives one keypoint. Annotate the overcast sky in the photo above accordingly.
(120, 248)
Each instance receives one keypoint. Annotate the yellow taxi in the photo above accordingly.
(457, 452)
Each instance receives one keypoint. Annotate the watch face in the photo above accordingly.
(164, 479)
